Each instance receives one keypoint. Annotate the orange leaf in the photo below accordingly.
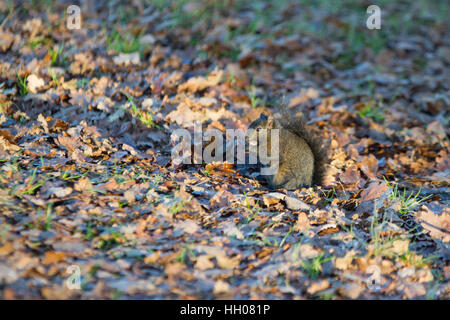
(53, 257)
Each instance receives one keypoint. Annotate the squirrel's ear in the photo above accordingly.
(270, 122)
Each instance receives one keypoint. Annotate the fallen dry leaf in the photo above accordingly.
(437, 225)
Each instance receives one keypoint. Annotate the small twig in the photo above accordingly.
(10, 14)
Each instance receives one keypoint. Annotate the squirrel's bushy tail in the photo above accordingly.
(297, 126)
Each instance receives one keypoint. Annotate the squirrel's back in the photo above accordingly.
(297, 126)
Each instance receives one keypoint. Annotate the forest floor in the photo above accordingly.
(88, 190)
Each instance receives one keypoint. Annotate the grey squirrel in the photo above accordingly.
(301, 156)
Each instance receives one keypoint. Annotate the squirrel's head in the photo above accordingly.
(264, 122)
